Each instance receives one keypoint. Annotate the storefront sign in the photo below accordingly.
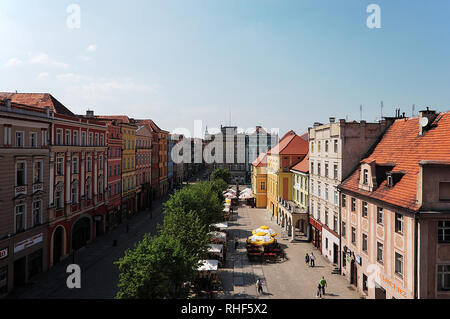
(4, 253)
(400, 290)
(24, 244)
(358, 260)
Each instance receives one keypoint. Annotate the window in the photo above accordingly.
(21, 174)
(326, 216)
(335, 169)
(100, 162)
(353, 236)
(19, 139)
(90, 139)
(444, 231)
(366, 177)
(398, 223)
(59, 199)
(88, 189)
(318, 146)
(312, 147)
(365, 287)
(344, 232)
(75, 138)
(263, 186)
(37, 213)
(326, 146)
(364, 242)
(335, 146)
(399, 265)
(68, 142)
(33, 140)
(335, 223)
(353, 204)
(74, 193)
(365, 208)
(326, 169)
(100, 185)
(318, 169)
(89, 164)
(58, 137)
(75, 165)
(60, 166)
(343, 200)
(37, 172)
(326, 193)
(83, 138)
(444, 191)
(443, 278)
(380, 218)
(380, 252)
(20, 218)
(96, 139)
(318, 190)
(7, 135)
(389, 181)
(312, 167)
(44, 138)
(336, 198)
(110, 170)
(102, 140)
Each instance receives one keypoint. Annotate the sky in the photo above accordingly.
(276, 63)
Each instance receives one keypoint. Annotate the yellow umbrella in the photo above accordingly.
(265, 230)
(261, 239)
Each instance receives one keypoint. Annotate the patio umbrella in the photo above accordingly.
(261, 239)
(265, 230)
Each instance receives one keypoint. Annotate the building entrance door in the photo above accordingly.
(380, 292)
(335, 254)
(20, 275)
(353, 274)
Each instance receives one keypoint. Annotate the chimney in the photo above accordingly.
(332, 119)
(426, 117)
(90, 114)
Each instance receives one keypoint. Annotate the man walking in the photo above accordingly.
(307, 259)
(259, 286)
(312, 258)
(323, 284)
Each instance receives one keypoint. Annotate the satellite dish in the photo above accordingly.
(424, 121)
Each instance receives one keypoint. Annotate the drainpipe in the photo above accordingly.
(416, 244)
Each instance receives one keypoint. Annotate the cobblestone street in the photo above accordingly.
(290, 279)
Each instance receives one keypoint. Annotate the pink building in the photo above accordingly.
(395, 210)
(143, 166)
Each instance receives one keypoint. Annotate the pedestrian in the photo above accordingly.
(312, 258)
(307, 259)
(319, 291)
(323, 284)
(259, 286)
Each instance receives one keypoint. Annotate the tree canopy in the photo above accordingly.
(221, 173)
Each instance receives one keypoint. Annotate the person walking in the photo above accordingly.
(307, 259)
(312, 258)
(259, 286)
(319, 291)
(323, 284)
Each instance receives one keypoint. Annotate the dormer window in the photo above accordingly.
(366, 177)
(389, 182)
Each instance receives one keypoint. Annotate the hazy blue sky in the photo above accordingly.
(281, 64)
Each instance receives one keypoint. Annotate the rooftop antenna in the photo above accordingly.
(413, 109)
(381, 107)
(360, 111)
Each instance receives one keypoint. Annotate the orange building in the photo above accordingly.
(259, 180)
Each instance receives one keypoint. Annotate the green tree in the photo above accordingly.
(189, 229)
(221, 184)
(156, 269)
(221, 173)
(201, 198)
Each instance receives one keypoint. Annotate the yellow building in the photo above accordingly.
(259, 180)
(280, 159)
(129, 203)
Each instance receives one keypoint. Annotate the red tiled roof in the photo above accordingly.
(290, 144)
(303, 166)
(39, 100)
(401, 145)
(122, 118)
(261, 161)
(152, 125)
(305, 136)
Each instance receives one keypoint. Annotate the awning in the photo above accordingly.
(215, 248)
(208, 265)
(222, 225)
(218, 236)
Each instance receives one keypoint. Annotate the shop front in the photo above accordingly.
(316, 234)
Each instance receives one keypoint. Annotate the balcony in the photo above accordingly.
(20, 190)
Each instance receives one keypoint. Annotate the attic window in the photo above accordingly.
(366, 177)
(389, 181)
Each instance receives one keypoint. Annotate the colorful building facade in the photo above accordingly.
(259, 180)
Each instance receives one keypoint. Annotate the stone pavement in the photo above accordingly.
(291, 279)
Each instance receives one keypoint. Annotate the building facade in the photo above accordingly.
(291, 150)
(335, 150)
(143, 167)
(396, 213)
(129, 183)
(257, 141)
(24, 193)
(259, 180)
